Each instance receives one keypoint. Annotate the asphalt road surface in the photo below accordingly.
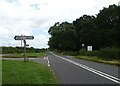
(70, 70)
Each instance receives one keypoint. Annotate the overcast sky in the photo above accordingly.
(34, 17)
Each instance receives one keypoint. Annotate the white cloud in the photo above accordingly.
(119, 3)
(39, 40)
(27, 16)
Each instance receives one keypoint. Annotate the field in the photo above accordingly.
(19, 72)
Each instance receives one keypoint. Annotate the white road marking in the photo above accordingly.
(48, 61)
(105, 75)
(32, 58)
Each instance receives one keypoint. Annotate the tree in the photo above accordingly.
(108, 23)
(100, 32)
(84, 27)
(63, 36)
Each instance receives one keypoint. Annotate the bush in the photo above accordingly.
(7, 50)
(69, 53)
(57, 51)
(109, 53)
(84, 52)
(106, 53)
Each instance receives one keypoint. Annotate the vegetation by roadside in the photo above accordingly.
(19, 72)
(97, 59)
(101, 32)
(106, 55)
(29, 55)
(9, 50)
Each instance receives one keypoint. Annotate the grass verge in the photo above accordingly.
(29, 55)
(96, 59)
(91, 58)
(19, 72)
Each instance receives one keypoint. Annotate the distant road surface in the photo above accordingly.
(70, 70)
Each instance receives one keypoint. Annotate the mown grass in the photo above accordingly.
(96, 59)
(19, 72)
(29, 55)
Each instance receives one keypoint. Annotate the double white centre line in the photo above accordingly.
(105, 75)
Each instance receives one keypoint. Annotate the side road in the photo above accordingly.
(38, 60)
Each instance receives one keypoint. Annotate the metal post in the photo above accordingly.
(21, 44)
(24, 49)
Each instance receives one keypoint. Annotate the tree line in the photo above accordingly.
(17, 49)
(100, 31)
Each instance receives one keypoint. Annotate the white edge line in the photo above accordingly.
(48, 61)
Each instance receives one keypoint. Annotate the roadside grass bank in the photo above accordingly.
(97, 59)
(108, 55)
(29, 55)
(19, 72)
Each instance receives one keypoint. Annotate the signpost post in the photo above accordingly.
(24, 38)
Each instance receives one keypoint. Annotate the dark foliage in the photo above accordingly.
(101, 31)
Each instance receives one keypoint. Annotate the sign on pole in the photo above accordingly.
(23, 37)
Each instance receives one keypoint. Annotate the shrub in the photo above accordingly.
(109, 53)
(69, 53)
(106, 53)
(84, 52)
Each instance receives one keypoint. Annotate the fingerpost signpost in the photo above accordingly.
(24, 38)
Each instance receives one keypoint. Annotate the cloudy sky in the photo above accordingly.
(34, 17)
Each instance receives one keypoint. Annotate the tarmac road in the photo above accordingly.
(70, 70)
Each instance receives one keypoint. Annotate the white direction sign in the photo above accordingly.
(23, 37)
(89, 48)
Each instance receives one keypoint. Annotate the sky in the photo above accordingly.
(35, 17)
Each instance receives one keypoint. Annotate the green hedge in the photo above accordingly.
(109, 53)
(84, 52)
(69, 53)
(6, 50)
(106, 53)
